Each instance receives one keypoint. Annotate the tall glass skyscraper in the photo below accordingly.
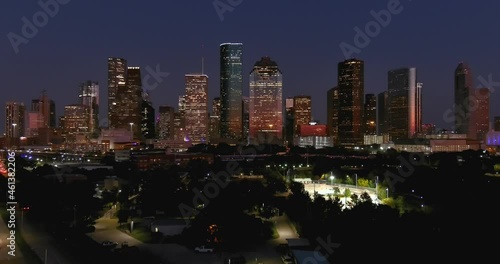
(196, 113)
(14, 119)
(404, 103)
(231, 85)
(117, 81)
(464, 121)
(266, 102)
(89, 96)
(351, 93)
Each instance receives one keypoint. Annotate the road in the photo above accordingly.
(106, 229)
(267, 253)
(174, 253)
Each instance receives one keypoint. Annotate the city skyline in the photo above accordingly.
(389, 50)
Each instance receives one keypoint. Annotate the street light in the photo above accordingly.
(131, 131)
(356, 179)
(387, 192)
(14, 132)
(332, 177)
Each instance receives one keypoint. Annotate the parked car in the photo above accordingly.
(108, 243)
(204, 249)
(287, 259)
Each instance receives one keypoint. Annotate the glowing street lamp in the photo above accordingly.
(14, 131)
(131, 131)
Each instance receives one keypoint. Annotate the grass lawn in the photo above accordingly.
(29, 256)
(140, 232)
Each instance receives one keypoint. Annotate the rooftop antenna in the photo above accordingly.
(202, 60)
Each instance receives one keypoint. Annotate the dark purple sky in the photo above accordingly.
(303, 37)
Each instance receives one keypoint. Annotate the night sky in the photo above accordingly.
(303, 37)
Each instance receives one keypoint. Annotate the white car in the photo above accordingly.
(204, 249)
(287, 259)
(108, 243)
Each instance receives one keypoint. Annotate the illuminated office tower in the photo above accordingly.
(46, 110)
(117, 84)
(14, 119)
(404, 100)
(214, 120)
(382, 122)
(245, 108)
(370, 114)
(464, 117)
(165, 126)
(231, 85)
(196, 108)
(266, 102)
(482, 113)
(302, 112)
(131, 101)
(89, 96)
(147, 118)
(332, 113)
(351, 93)
(216, 107)
(289, 121)
(75, 123)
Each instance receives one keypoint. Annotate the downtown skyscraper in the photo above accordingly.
(89, 96)
(370, 114)
(351, 93)
(165, 125)
(482, 97)
(124, 96)
(196, 111)
(464, 90)
(302, 112)
(148, 122)
(117, 84)
(14, 119)
(266, 102)
(332, 113)
(404, 103)
(231, 86)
